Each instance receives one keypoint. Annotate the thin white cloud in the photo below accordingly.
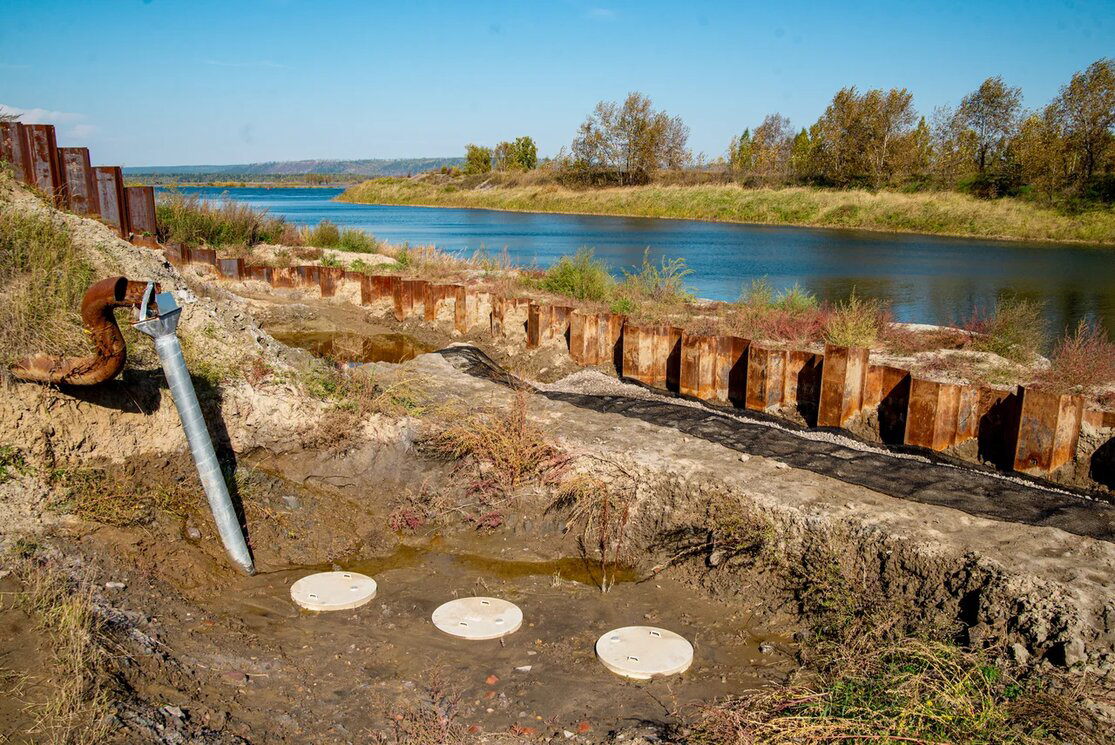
(601, 13)
(267, 64)
(43, 116)
(81, 131)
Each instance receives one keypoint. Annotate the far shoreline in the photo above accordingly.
(1048, 242)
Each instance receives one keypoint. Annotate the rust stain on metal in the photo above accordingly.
(766, 376)
(329, 278)
(110, 352)
(888, 392)
(731, 369)
(139, 203)
(231, 268)
(78, 184)
(1048, 430)
(110, 197)
(14, 148)
(42, 150)
(843, 384)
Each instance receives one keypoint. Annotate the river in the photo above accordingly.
(925, 279)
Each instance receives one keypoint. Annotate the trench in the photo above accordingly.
(343, 348)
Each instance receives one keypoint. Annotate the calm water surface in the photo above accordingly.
(925, 279)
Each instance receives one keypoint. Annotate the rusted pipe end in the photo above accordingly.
(110, 351)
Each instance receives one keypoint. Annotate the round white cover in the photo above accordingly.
(333, 590)
(641, 652)
(478, 618)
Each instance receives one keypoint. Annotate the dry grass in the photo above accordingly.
(193, 222)
(43, 278)
(113, 497)
(77, 709)
(944, 213)
(504, 449)
(431, 721)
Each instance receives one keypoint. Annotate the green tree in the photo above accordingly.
(478, 159)
(801, 157)
(633, 139)
(771, 147)
(990, 115)
(739, 156)
(1085, 112)
(524, 153)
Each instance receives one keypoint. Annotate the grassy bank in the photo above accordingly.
(939, 213)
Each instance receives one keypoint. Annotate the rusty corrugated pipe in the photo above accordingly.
(110, 352)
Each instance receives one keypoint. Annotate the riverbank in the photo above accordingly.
(935, 213)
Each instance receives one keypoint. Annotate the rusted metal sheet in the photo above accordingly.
(110, 351)
(666, 372)
(464, 304)
(558, 328)
(308, 275)
(139, 203)
(766, 377)
(110, 197)
(42, 151)
(933, 414)
(690, 364)
(14, 149)
(329, 278)
(79, 187)
(535, 313)
(410, 298)
(843, 380)
(731, 369)
(231, 268)
(609, 340)
(1048, 430)
(173, 253)
(640, 349)
(201, 255)
(260, 273)
(888, 392)
(584, 345)
(804, 372)
(284, 277)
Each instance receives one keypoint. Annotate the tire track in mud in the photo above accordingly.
(934, 481)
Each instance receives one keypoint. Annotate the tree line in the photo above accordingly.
(986, 145)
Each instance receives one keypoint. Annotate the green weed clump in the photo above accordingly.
(326, 234)
(854, 322)
(794, 315)
(193, 222)
(911, 690)
(43, 278)
(12, 463)
(581, 276)
(1015, 330)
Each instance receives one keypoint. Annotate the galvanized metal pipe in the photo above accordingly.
(162, 329)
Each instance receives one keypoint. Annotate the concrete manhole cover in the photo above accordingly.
(641, 652)
(333, 590)
(478, 618)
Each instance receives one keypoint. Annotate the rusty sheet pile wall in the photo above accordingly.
(1028, 431)
(66, 177)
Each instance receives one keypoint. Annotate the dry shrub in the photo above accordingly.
(1015, 330)
(43, 278)
(792, 316)
(904, 341)
(77, 709)
(602, 513)
(1082, 361)
(506, 449)
(308, 253)
(432, 721)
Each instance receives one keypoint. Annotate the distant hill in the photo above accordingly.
(370, 167)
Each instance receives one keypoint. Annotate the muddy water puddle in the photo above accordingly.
(345, 348)
(384, 654)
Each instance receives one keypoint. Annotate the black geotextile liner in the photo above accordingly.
(971, 489)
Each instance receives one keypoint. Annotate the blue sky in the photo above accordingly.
(177, 82)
